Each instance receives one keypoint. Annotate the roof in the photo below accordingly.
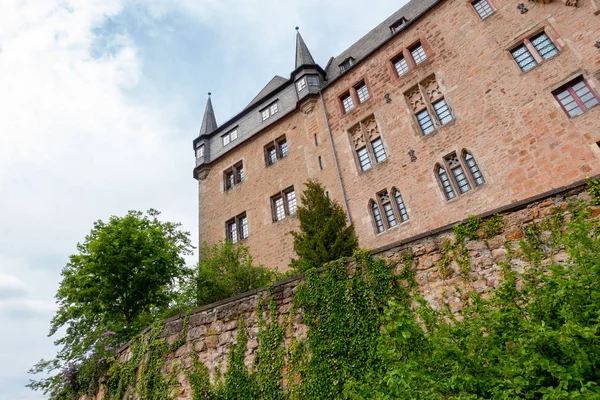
(303, 56)
(209, 122)
(273, 84)
(377, 36)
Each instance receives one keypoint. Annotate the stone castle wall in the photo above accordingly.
(213, 328)
(509, 120)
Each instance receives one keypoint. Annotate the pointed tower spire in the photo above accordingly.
(303, 56)
(209, 122)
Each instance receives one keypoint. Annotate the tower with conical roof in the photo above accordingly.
(308, 76)
(202, 143)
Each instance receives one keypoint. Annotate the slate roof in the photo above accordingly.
(377, 36)
(273, 84)
(209, 122)
(303, 56)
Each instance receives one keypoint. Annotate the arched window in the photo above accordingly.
(377, 217)
(400, 205)
(388, 209)
(445, 181)
(474, 169)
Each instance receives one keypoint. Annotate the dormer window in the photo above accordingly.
(269, 111)
(229, 137)
(200, 151)
(396, 26)
(344, 66)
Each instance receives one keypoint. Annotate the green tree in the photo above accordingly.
(324, 232)
(124, 274)
(224, 270)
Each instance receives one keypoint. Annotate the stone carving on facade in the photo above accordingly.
(357, 136)
(415, 98)
(371, 128)
(308, 107)
(203, 174)
(432, 88)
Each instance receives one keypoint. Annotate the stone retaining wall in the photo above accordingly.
(213, 328)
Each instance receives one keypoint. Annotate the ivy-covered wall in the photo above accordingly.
(444, 267)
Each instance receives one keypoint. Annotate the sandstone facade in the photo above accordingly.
(510, 122)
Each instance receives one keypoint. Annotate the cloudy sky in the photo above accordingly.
(99, 103)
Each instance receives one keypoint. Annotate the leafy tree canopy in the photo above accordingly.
(324, 232)
(226, 269)
(124, 274)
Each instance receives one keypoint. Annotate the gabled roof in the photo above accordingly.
(303, 56)
(209, 122)
(273, 84)
(377, 36)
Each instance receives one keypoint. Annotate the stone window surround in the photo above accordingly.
(277, 146)
(523, 38)
(407, 55)
(353, 95)
(237, 223)
(284, 196)
(460, 154)
(392, 201)
(235, 170)
(569, 85)
(429, 97)
(579, 74)
(367, 142)
(471, 4)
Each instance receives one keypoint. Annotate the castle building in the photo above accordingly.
(446, 109)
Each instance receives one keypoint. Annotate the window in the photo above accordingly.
(400, 205)
(321, 166)
(276, 150)
(396, 26)
(394, 210)
(362, 92)
(229, 137)
(427, 100)
(523, 58)
(418, 53)
(576, 97)
(346, 64)
(284, 204)
(377, 217)
(464, 174)
(533, 51)
(483, 7)
(234, 176)
(401, 65)
(269, 111)
(347, 102)
(367, 143)
(301, 85)
(313, 81)
(200, 151)
(237, 228)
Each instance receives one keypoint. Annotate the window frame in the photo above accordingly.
(569, 87)
(428, 103)
(347, 96)
(238, 228)
(489, 3)
(526, 41)
(301, 82)
(361, 139)
(414, 47)
(199, 151)
(231, 136)
(451, 176)
(379, 203)
(362, 86)
(267, 112)
(276, 145)
(235, 171)
(284, 196)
